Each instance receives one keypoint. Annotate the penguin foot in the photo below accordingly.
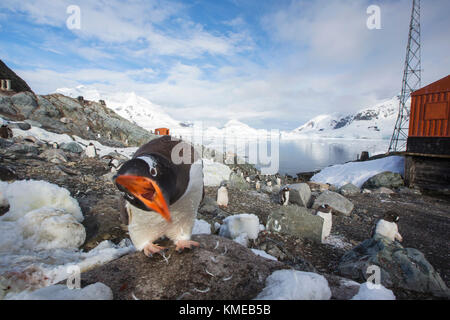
(183, 244)
(151, 248)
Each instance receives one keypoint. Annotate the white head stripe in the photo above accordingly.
(150, 161)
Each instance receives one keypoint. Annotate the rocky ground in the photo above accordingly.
(424, 219)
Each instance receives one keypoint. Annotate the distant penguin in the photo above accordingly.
(269, 183)
(222, 195)
(324, 211)
(284, 196)
(278, 181)
(91, 151)
(248, 179)
(387, 227)
(258, 185)
(55, 145)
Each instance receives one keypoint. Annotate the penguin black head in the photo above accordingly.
(391, 217)
(148, 183)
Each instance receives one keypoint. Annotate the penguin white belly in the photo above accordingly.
(222, 197)
(286, 199)
(327, 223)
(147, 226)
(388, 230)
(90, 152)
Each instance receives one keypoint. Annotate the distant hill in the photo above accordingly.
(375, 122)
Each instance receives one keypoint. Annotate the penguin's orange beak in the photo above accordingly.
(148, 192)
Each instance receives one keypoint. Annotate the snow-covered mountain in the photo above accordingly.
(128, 105)
(234, 128)
(376, 122)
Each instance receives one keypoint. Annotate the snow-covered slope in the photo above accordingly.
(128, 105)
(234, 128)
(376, 122)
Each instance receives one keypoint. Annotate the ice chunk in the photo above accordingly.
(295, 285)
(369, 291)
(201, 227)
(236, 225)
(96, 291)
(28, 195)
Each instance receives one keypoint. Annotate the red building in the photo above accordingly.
(162, 131)
(428, 149)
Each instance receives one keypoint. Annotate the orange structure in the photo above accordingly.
(427, 161)
(162, 131)
(429, 123)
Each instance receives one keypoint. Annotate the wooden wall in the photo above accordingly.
(428, 173)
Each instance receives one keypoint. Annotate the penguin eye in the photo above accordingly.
(153, 172)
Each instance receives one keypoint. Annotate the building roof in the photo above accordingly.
(442, 85)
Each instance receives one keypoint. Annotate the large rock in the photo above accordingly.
(404, 268)
(218, 269)
(387, 179)
(338, 203)
(296, 221)
(349, 190)
(238, 182)
(72, 147)
(300, 194)
(24, 149)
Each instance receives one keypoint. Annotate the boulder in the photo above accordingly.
(296, 221)
(386, 179)
(349, 190)
(236, 226)
(300, 194)
(7, 174)
(342, 288)
(404, 268)
(317, 186)
(218, 269)
(72, 147)
(338, 203)
(24, 149)
(20, 125)
(54, 156)
(238, 182)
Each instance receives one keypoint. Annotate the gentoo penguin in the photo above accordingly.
(222, 195)
(284, 196)
(248, 179)
(257, 183)
(324, 211)
(388, 227)
(269, 183)
(91, 151)
(55, 145)
(278, 181)
(162, 187)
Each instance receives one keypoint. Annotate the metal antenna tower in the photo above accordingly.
(411, 81)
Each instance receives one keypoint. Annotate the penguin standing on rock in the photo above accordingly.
(222, 195)
(91, 151)
(284, 196)
(162, 187)
(387, 227)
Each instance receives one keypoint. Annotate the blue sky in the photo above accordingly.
(270, 64)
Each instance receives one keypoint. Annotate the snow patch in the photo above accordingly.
(295, 285)
(359, 172)
(96, 291)
(369, 291)
(201, 227)
(28, 195)
(264, 254)
(214, 173)
(234, 227)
